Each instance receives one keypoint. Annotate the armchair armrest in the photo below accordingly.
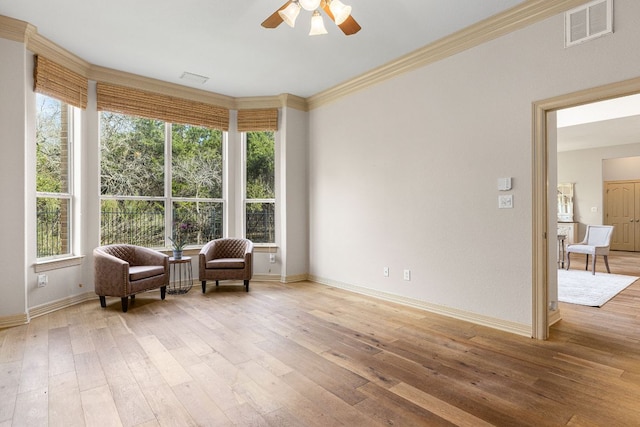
(206, 254)
(110, 272)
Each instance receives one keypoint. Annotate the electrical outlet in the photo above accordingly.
(385, 271)
(272, 258)
(406, 275)
(42, 280)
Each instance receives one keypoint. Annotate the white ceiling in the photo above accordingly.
(605, 123)
(223, 39)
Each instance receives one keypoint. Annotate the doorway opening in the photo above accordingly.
(545, 189)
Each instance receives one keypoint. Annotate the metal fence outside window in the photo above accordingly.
(147, 229)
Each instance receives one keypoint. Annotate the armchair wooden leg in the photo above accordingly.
(217, 283)
(103, 301)
(568, 260)
(594, 264)
(163, 292)
(125, 304)
(246, 285)
(204, 286)
(586, 265)
(606, 262)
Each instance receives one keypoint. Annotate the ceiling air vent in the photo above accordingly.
(588, 21)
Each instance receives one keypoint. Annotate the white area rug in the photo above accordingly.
(582, 287)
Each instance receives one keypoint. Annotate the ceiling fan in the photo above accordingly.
(335, 9)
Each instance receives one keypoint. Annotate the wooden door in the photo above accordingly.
(620, 205)
(637, 217)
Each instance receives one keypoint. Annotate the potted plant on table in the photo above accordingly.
(180, 239)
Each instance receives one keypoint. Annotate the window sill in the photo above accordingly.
(265, 247)
(41, 266)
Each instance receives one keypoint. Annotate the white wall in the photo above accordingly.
(13, 180)
(406, 174)
(294, 200)
(622, 169)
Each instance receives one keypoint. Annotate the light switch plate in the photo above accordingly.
(504, 184)
(505, 201)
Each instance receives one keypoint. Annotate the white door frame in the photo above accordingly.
(540, 180)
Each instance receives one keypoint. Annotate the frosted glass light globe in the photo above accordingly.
(310, 4)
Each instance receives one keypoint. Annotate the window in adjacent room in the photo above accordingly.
(260, 196)
(54, 172)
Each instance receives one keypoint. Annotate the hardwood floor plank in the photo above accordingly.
(9, 385)
(65, 403)
(89, 371)
(438, 407)
(60, 351)
(342, 411)
(199, 405)
(167, 408)
(172, 372)
(392, 409)
(275, 389)
(99, 408)
(32, 408)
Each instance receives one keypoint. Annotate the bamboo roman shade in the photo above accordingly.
(135, 102)
(59, 82)
(257, 120)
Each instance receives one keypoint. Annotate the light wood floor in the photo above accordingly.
(308, 355)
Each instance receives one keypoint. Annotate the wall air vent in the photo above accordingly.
(588, 21)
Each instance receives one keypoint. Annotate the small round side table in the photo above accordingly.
(181, 275)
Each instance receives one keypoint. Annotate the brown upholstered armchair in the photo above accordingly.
(226, 259)
(125, 270)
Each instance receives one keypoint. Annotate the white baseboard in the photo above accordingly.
(502, 325)
(49, 307)
(14, 320)
(553, 317)
(294, 278)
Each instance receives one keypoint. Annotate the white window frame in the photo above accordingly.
(73, 129)
(245, 200)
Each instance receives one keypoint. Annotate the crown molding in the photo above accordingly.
(108, 75)
(513, 19)
(282, 100)
(15, 30)
(39, 45)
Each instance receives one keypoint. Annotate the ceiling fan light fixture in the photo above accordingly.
(290, 13)
(310, 5)
(340, 11)
(317, 25)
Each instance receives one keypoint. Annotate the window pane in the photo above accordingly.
(260, 165)
(132, 155)
(137, 222)
(196, 162)
(53, 233)
(52, 145)
(200, 222)
(261, 222)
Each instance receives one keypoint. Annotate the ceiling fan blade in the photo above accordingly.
(275, 19)
(348, 27)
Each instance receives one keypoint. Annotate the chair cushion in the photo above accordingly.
(224, 263)
(144, 271)
(582, 249)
